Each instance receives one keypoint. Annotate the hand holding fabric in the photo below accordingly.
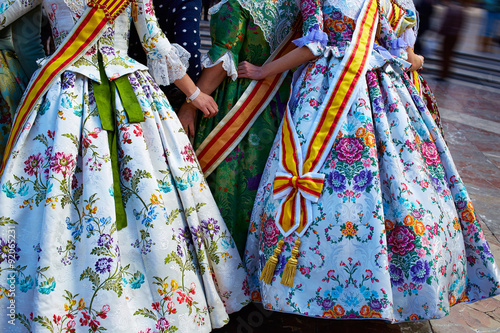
(250, 71)
(206, 104)
(187, 117)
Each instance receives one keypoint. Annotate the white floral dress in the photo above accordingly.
(63, 264)
(394, 234)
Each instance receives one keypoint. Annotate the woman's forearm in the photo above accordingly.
(186, 85)
(211, 78)
(290, 60)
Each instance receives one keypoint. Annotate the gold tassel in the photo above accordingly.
(135, 10)
(268, 270)
(291, 266)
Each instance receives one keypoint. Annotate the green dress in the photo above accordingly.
(17, 68)
(13, 81)
(235, 181)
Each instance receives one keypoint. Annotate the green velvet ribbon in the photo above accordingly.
(105, 93)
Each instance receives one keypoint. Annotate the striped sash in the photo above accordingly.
(87, 30)
(299, 183)
(235, 125)
(415, 79)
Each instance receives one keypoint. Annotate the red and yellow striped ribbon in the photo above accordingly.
(396, 13)
(415, 79)
(88, 29)
(235, 125)
(294, 213)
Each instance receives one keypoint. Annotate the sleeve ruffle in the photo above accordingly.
(228, 64)
(409, 37)
(316, 40)
(170, 67)
(399, 45)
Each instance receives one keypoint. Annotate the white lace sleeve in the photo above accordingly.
(165, 70)
(167, 62)
(227, 64)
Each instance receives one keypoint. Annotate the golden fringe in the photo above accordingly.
(268, 270)
(135, 10)
(291, 266)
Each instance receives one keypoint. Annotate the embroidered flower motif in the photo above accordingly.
(197, 235)
(396, 274)
(48, 286)
(430, 153)
(136, 281)
(375, 304)
(210, 226)
(68, 80)
(270, 232)
(108, 50)
(103, 265)
(337, 181)
(362, 180)
(401, 240)
(327, 304)
(6, 247)
(188, 154)
(104, 240)
(33, 164)
(349, 150)
(420, 271)
(62, 162)
(127, 174)
(308, 8)
(349, 229)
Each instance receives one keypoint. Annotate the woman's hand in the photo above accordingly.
(417, 61)
(206, 104)
(187, 117)
(249, 71)
(200, 100)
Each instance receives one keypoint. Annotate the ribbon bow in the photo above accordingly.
(298, 193)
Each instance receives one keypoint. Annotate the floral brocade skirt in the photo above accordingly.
(13, 82)
(63, 262)
(394, 233)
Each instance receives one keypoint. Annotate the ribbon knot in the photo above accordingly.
(298, 193)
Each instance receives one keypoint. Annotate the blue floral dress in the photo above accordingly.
(394, 233)
(64, 265)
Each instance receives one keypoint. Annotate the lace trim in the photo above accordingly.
(274, 17)
(227, 64)
(215, 8)
(349, 8)
(77, 6)
(173, 66)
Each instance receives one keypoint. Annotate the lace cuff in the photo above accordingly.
(316, 40)
(227, 64)
(171, 67)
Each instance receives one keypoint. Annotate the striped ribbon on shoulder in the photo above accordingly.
(86, 31)
(299, 182)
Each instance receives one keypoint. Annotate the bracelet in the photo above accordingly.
(193, 96)
(421, 62)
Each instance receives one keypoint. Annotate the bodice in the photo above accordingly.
(113, 43)
(337, 26)
(327, 29)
